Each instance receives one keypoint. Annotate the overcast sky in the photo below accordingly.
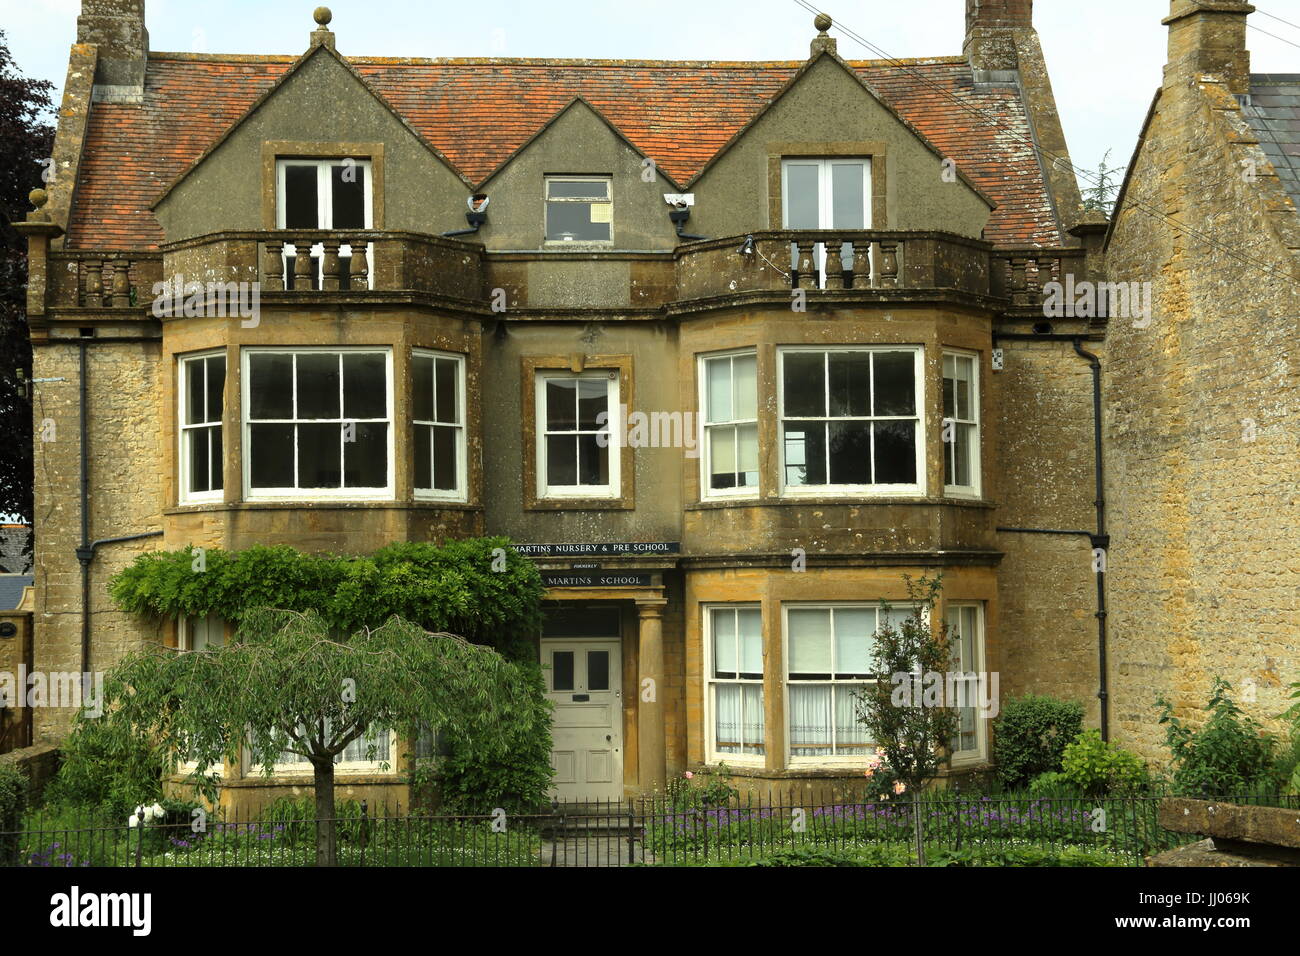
(1105, 56)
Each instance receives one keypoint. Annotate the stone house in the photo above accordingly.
(811, 289)
(1202, 394)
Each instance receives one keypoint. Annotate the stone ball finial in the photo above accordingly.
(323, 16)
(822, 22)
(38, 197)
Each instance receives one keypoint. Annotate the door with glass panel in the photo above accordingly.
(827, 194)
(583, 682)
(323, 194)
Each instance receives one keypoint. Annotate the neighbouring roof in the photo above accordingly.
(478, 112)
(1274, 113)
(11, 589)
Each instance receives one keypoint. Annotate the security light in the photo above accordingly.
(747, 247)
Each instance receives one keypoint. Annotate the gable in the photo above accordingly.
(319, 108)
(828, 111)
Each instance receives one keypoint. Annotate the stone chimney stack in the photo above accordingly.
(1208, 37)
(116, 28)
(991, 26)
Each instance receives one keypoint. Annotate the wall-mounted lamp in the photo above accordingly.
(747, 247)
(477, 215)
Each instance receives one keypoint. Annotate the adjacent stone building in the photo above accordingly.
(812, 291)
(1202, 396)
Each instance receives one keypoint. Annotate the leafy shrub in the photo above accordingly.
(13, 800)
(1287, 770)
(707, 788)
(1052, 784)
(1097, 767)
(1030, 736)
(295, 819)
(104, 769)
(1230, 755)
(484, 772)
(807, 856)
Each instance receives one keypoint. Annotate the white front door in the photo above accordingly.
(583, 680)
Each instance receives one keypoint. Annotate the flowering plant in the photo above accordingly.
(151, 814)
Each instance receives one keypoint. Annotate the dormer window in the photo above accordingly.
(331, 194)
(579, 209)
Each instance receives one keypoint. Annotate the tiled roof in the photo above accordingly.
(477, 112)
(1274, 113)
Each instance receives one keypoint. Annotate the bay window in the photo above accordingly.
(850, 420)
(438, 423)
(317, 423)
(729, 384)
(201, 386)
(734, 651)
(966, 641)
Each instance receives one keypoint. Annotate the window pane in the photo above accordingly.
(718, 390)
(195, 393)
(752, 704)
(848, 196)
(365, 385)
(593, 398)
(561, 404)
(593, 462)
(318, 385)
(895, 453)
(727, 718)
(423, 456)
(319, 448)
(422, 388)
(271, 456)
(744, 372)
(810, 719)
(216, 461)
(446, 475)
(850, 735)
(597, 670)
(216, 382)
(805, 454)
(747, 455)
(583, 189)
(804, 386)
(561, 460)
(365, 460)
(854, 628)
(199, 459)
(724, 642)
(850, 383)
(810, 641)
(573, 222)
(802, 201)
(749, 623)
(270, 385)
(300, 207)
(722, 457)
(448, 391)
(895, 383)
(850, 453)
(562, 670)
(349, 197)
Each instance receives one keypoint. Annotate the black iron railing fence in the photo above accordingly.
(938, 829)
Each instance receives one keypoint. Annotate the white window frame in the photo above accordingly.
(980, 753)
(710, 727)
(970, 425)
(184, 641)
(325, 208)
(608, 180)
(311, 494)
(824, 760)
(461, 493)
(826, 201)
(186, 432)
(707, 492)
(850, 491)
(613, 425)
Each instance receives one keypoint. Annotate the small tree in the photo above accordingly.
(1103, 188)
(911, 720)
(1230, 753)
(288, 682)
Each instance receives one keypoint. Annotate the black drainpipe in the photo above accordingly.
(1099, 538)
(86, 553)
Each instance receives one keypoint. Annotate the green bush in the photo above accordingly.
(13, 800)
(807, 856)
(1230, 755)
(1098, 768)
(480, 773)
(1053, 784)
(102, 769)
(1030, 736)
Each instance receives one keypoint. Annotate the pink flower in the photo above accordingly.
(689, 776)
(868, 772)
(900, 787)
